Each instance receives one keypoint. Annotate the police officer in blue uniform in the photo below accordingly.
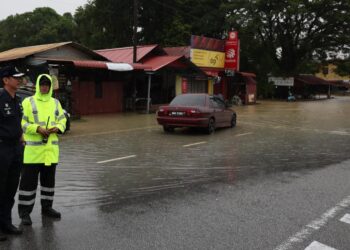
(11, 147)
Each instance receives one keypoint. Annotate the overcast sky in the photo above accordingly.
(12, 7)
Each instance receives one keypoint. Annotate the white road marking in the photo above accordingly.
(346, 218)
(272, 125)
(249, 133)
(117, 159)
(193, 168)
(69, 136)
(194, 144)
(318, 246)
(315, 225)
(340, 132)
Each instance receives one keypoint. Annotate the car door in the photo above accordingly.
(219, 109)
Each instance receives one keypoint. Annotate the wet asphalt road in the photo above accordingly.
(125, 184)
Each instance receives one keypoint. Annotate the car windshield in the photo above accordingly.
(188, 100)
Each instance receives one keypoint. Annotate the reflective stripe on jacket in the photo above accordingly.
(36, 111)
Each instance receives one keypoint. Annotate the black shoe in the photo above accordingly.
(50, 212)
(11, 229)
(26, 220)
(2, 237)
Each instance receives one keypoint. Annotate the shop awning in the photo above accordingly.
(103, 65)
(93, 64)
(311, 80)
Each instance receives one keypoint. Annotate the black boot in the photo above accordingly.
(11, 229)
(50, 212)
(26, 220)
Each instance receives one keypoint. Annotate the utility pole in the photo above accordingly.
(134, 59)
(134, 37)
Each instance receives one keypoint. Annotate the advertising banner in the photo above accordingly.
(206, 58)
(232, 51)
(207, 52)
(184, 85)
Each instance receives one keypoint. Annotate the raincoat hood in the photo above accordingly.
(40, 96)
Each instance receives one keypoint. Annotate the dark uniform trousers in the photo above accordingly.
(11, 157)
(29, 183)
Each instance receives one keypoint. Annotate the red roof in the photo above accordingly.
(340, 83)
(179, 51)
(95, 64)
(312, 80)
(125, 54)
(158, 62)
(90, 64)
(246, 74)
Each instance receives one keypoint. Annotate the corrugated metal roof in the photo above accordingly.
(179, 51)
(23, 52)
(312, 80)
(94, 64)
(125, 54)
(247, 74)
(158, 62)
(90, 64)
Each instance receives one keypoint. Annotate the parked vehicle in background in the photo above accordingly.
(198, 111)
(24, 93)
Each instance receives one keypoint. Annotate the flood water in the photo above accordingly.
(270, 138)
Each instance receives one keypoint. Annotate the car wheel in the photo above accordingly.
(233, 121)
(211, 126)
(168, 128)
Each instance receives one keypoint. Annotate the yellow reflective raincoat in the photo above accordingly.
(42, 110)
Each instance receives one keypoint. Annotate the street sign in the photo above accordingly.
(282, 81)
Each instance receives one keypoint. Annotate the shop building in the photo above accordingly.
(88, 83)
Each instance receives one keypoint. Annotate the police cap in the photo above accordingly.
(10, 71)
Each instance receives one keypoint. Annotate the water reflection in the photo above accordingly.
(275, 138)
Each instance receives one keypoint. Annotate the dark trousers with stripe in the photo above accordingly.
(11, 156)
(28, 185)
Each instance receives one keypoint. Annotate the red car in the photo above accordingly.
(196, 110)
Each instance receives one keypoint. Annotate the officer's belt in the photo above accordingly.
(40, 143)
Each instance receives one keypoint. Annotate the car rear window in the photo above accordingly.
(188, 100)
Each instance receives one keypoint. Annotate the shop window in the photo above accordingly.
(197, 86)
(98, 89)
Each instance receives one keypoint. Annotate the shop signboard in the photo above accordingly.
(207, 52)
(232, 51)
(282, 81)
(206, 58)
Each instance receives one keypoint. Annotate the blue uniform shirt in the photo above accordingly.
(10, 117)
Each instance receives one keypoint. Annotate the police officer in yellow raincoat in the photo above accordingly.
(43, 119)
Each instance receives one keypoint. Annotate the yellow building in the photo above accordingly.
(328, 73)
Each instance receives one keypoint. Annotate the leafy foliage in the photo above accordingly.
(293, 32)
(280, 37)
(41, 26)
(343, 67)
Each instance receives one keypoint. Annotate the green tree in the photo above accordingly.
(105, 23)
(41, 26)
(293, 32)
(343, 67)
(172, 22)
(109, 23)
